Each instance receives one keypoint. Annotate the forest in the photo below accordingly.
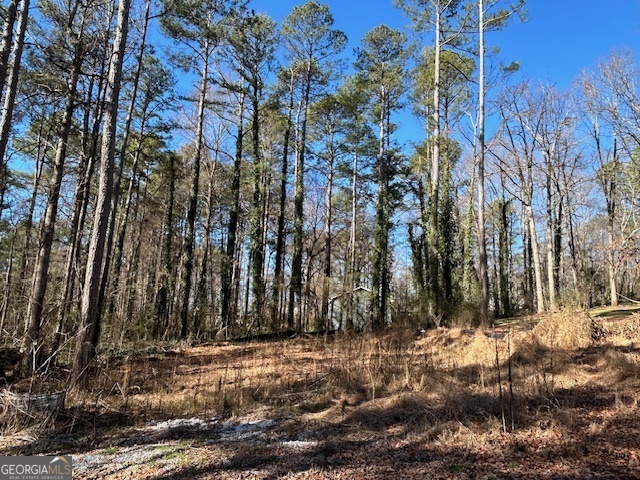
(187, 170)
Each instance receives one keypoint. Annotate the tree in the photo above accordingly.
(610, 99)
(6, 121)
(71, 24)
(360, 142)
(448, 21)
(329, 128)
(311, 42)
(253, 41)
(228, 310)
(163, 83)
(198, 26)
(381, 61)
(435, 253)
(487, 20)
(89, 332)
(38, 141)
(286, 87)
(93, 108)
(521, 118)
(168, 172)
(556, 143)
(6, 42)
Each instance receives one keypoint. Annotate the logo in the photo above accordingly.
(36, 468)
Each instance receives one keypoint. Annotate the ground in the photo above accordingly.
(538, 398)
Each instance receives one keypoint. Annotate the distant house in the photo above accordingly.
(350, 309)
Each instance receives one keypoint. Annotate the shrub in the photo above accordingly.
(567, 330)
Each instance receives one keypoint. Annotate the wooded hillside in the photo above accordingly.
(194, 170)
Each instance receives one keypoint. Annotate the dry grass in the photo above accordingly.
(567, 330)
(446, 387)
(314, 374)
(625, 330)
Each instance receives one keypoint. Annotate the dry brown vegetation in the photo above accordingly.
(558, 400)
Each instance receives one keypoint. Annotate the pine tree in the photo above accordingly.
(311, 43)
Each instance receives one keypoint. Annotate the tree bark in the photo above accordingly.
(537, 267)
(503, 259)
(257, 220)
(469, 280)
(201, 289)
(229, 309)
(41, 272)
(163, 302)
(326, 269)
(379, 278)
(550, 238)
(295, 295)
(611, 259)
(4, 304)
(121, 157)
(80, 203)
(189, 240)
(43, 147)
(89, 332)
(7, 37)
(278, 280)
(351, 311)
(10, 96)
(434, 191)
(482, 240)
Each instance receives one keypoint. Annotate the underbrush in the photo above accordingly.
(442, 385)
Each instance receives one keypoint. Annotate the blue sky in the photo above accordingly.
(563, 37)
(560, 38)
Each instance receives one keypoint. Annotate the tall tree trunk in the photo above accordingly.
(482, 241)
(469, 280)
(380, 248)
(503, 259)
(557, 245)
(295, 295)
(41, 272)
(446, 225)
(164, 295)
(7, 38)
(434, 192)
(133, 270)
(495, 267)
(550, 238)
(328, 205)
(573, 250)
(124, 221)
(611, 262)
(229, 309)
(278, 280)
(351, 311)
(257, 219)
(6, 291)
(10, 97)
(527, 253)
(121, 160)
(537, 267)
(80, 203)
(201, 290)
(89, 333)
(610, 187)
(43, 147)
(189, 240)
